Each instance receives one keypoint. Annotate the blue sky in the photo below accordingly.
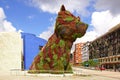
(25, 17)
(38, 16)
(28, 18)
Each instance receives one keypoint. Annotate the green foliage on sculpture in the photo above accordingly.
(40, 64)
(55, 55)
(53, 46)
(76, 35)
(69, 69)
(61, 43)
(69, 19)
(58, 67)
(48, 59)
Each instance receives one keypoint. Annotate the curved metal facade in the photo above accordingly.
(31, 47)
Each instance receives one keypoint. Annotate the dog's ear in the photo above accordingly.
(62, 8)
(78, 18)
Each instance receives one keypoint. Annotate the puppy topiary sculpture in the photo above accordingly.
(55, 55)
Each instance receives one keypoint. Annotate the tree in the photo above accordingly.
(91, 63)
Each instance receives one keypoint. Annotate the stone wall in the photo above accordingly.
(10, 51)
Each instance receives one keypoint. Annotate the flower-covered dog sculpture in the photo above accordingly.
(55, 55)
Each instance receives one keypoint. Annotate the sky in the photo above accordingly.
(38, 16)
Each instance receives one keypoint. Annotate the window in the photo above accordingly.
(40, 47)
(111, 59)
(115, 59)
(118, 58)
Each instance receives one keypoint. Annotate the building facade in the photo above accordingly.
(18, 50)
(31, 48)
(107, 49)
(10, 51)
(85, 51)
(77, 53)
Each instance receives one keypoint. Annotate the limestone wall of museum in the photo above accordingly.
(10, 51)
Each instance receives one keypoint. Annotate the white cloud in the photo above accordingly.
(19, 31)
(51, 19)
(2, 15)
(106, 16)
(89, 36)
(46, 34)
(112, 5)
(53, 6)
(31, 16)
(103, 21)
(8, 26)
(4, 24)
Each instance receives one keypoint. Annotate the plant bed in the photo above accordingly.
(49, 71)
(38, 71)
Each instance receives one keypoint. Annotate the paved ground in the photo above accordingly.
(79, 74)
(109, 74)
(55, 78)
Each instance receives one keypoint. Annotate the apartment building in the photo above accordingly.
(85, 51)
(77, 53)
(107, 49)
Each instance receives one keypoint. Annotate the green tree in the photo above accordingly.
(91, 63)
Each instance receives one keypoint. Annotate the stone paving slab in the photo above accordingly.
(78, 75)
(99, 73)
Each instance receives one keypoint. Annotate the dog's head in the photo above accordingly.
(69, 27)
